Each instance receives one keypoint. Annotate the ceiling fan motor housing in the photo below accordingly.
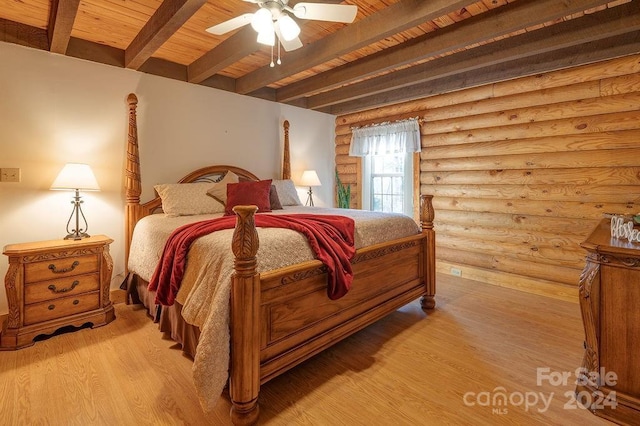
(275, 7)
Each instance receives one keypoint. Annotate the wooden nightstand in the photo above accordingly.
(52, 284)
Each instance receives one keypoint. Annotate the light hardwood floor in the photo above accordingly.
(407, 369)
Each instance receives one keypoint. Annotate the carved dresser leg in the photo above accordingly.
(428, 302)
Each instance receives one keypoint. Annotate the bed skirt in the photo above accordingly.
(169, 318)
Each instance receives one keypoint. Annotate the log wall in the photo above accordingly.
(522, 170)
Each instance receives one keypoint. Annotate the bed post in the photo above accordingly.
(286, 159)
(244, 375)
(427, 215)
(132, 178)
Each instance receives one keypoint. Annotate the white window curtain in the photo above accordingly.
(386, 138)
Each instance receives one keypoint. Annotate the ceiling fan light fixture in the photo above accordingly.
(288, 27)
(267, 36)
(262, 20)
(275, 24)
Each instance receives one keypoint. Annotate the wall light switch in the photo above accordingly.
(9, 175)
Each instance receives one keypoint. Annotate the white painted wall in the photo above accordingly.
(55, 109)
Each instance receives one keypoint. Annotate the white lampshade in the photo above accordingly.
(288, 28)
(262, 20)
(76, 176)
(267, 36)
(310, 178)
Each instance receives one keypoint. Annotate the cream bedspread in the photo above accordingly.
(206, 285)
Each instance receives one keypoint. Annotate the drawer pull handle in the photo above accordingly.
(51, 307)
(75, 302)
(63, 290)
(63, 270)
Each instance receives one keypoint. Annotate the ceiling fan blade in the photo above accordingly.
(287, 45)
(291, 44)
(326, 12)
(231, 24)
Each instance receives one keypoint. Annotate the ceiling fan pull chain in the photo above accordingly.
(272, 64)
(279, 62)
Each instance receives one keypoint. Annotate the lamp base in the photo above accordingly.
(76, 236)
(77, 233)
(309, 198)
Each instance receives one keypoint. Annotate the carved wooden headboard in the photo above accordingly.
(134, 211)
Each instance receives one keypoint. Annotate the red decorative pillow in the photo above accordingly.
(248, 193)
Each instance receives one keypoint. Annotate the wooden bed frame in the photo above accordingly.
(282, 317)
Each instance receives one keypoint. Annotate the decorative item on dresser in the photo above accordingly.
(52, 284)
(609, 380)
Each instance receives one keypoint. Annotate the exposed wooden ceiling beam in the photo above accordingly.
(241, 44)
(496, 23)
(23, 35)
(614, 47)
(221, 82)
(61, 17)
(164, 68)
(605, 24)
(90, 51)
(390, 20)
(166, 20)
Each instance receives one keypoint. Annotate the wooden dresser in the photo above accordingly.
(610, 305)
(52, 284)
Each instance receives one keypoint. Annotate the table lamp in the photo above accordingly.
(76, 177)
(310, 178)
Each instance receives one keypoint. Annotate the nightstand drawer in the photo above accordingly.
(55, 289)
(66, 306)
(58, 268)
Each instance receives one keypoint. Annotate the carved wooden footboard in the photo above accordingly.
(282, 317)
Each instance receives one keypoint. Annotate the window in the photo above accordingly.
(388, 183)
(388, 153)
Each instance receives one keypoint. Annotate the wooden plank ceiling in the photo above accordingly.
(396, 50)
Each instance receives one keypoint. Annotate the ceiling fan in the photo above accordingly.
(273, 19)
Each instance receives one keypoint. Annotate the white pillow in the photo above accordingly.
(219, 189)
(184, 199)
(287, 192)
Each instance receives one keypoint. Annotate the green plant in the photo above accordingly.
(344, 193)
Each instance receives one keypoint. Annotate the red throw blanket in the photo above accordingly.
(331, 238)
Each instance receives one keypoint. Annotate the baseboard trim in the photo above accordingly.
(518, 282)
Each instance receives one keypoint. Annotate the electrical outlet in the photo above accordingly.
(9, 175)
(457, 272)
